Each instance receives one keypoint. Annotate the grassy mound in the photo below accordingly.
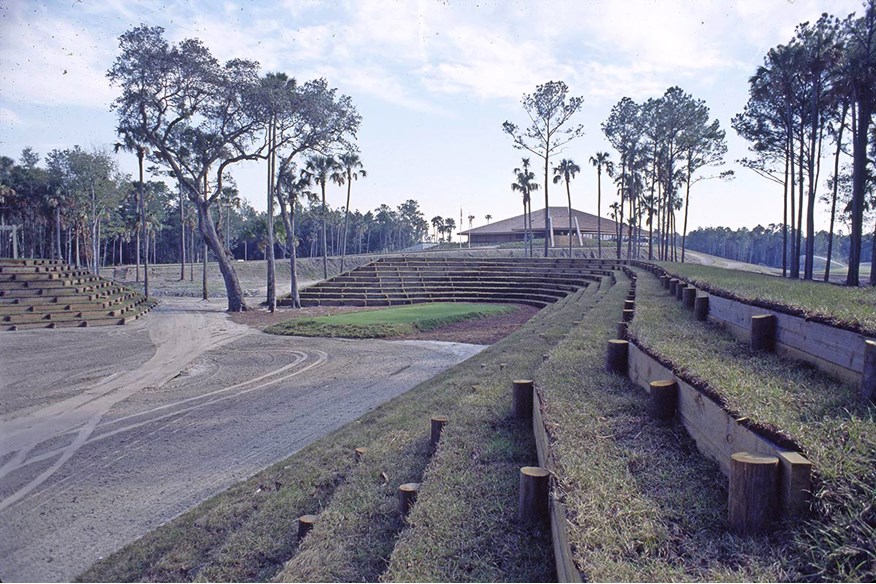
(852, 308)
(389, 322)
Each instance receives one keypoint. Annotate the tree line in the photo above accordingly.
(814, 97)
(764, 245)
(77, 206)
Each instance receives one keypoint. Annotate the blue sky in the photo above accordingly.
(433, 80)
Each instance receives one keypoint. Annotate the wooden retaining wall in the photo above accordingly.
(567, 571)
(718, 435)
(836, 351)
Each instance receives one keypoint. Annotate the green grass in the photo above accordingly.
(853, 308)
(389, 322)
(825, 417)
(642, 502)
(470, 484)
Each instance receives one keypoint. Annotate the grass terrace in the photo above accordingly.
(824, 417)
(852, 308)
(463, 526)
(642, 502)
(388, 322)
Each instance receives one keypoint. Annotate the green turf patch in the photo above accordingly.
(825, 417)
(389, 322)
(852, 308)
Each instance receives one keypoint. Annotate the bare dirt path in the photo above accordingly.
(96, 451)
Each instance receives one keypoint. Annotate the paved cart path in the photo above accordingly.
(108, 433)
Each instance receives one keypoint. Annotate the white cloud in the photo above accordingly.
(9, 117)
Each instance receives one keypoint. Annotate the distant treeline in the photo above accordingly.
(763, 245)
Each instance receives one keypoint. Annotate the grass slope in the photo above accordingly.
(387, 322)
(248, 533)
(824, 417)
(853, 308)
(642, 503)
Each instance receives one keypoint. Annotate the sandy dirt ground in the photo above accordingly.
(107, 433)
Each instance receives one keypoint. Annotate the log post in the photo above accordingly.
(628, 314)
(629, 304)
(664, 281)
(752, 497)
(438, 423)
(868, 377)
(407, 495)
(534, 495)
(664, 399)
(701, 307)
(305, 524)
(673, 283)
(763, 332)
(522, 399)
(360, 453)
(679, 289)
(688, 296)
(617, 356)
(622, 328)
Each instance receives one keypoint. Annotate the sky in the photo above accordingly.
(433, 80)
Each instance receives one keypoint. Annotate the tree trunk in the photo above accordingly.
(182, 235)
(272, 279)
(324, 242)
(599, 210)
(839, 142)
(686, 204)
(859, 176)
(546, 213)
(569, 198)
(346, 220)
(799, 245)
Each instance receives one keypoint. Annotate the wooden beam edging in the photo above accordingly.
(837, 351)
(718, 435)
(567, 571)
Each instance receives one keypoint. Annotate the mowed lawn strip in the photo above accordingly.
(464, 526)
(360, 526)
(249, 532)
(853, 308)
(643, 504)
(825, 417)
(388, 322)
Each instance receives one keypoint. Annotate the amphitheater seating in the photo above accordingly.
(51, 294)
(409, 280)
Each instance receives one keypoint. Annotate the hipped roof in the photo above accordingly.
(559, 217)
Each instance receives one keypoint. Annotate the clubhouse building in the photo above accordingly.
(511, 230)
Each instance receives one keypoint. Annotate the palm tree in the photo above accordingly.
(132, 143)
(449, 226)
(488, 217)
(525, 184)
(601, 161)
(349, 169)
(319, 169)
(566, 171)
(438, 224)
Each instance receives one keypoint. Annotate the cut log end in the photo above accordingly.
(753, 492)
(407, 495)
(617, 356)
(305, 524)
(533, 504)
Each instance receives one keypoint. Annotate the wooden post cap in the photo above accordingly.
(629, 304)
(688, 296)
(868, 377)
(407, 495)
(437, 426)
(763, 332)
(701, 307)
(305, 524)
(533, 504)
(664, 399)
(616, 356)
(753, 492)
(522, 390)
(628, 314)
(360, 453)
